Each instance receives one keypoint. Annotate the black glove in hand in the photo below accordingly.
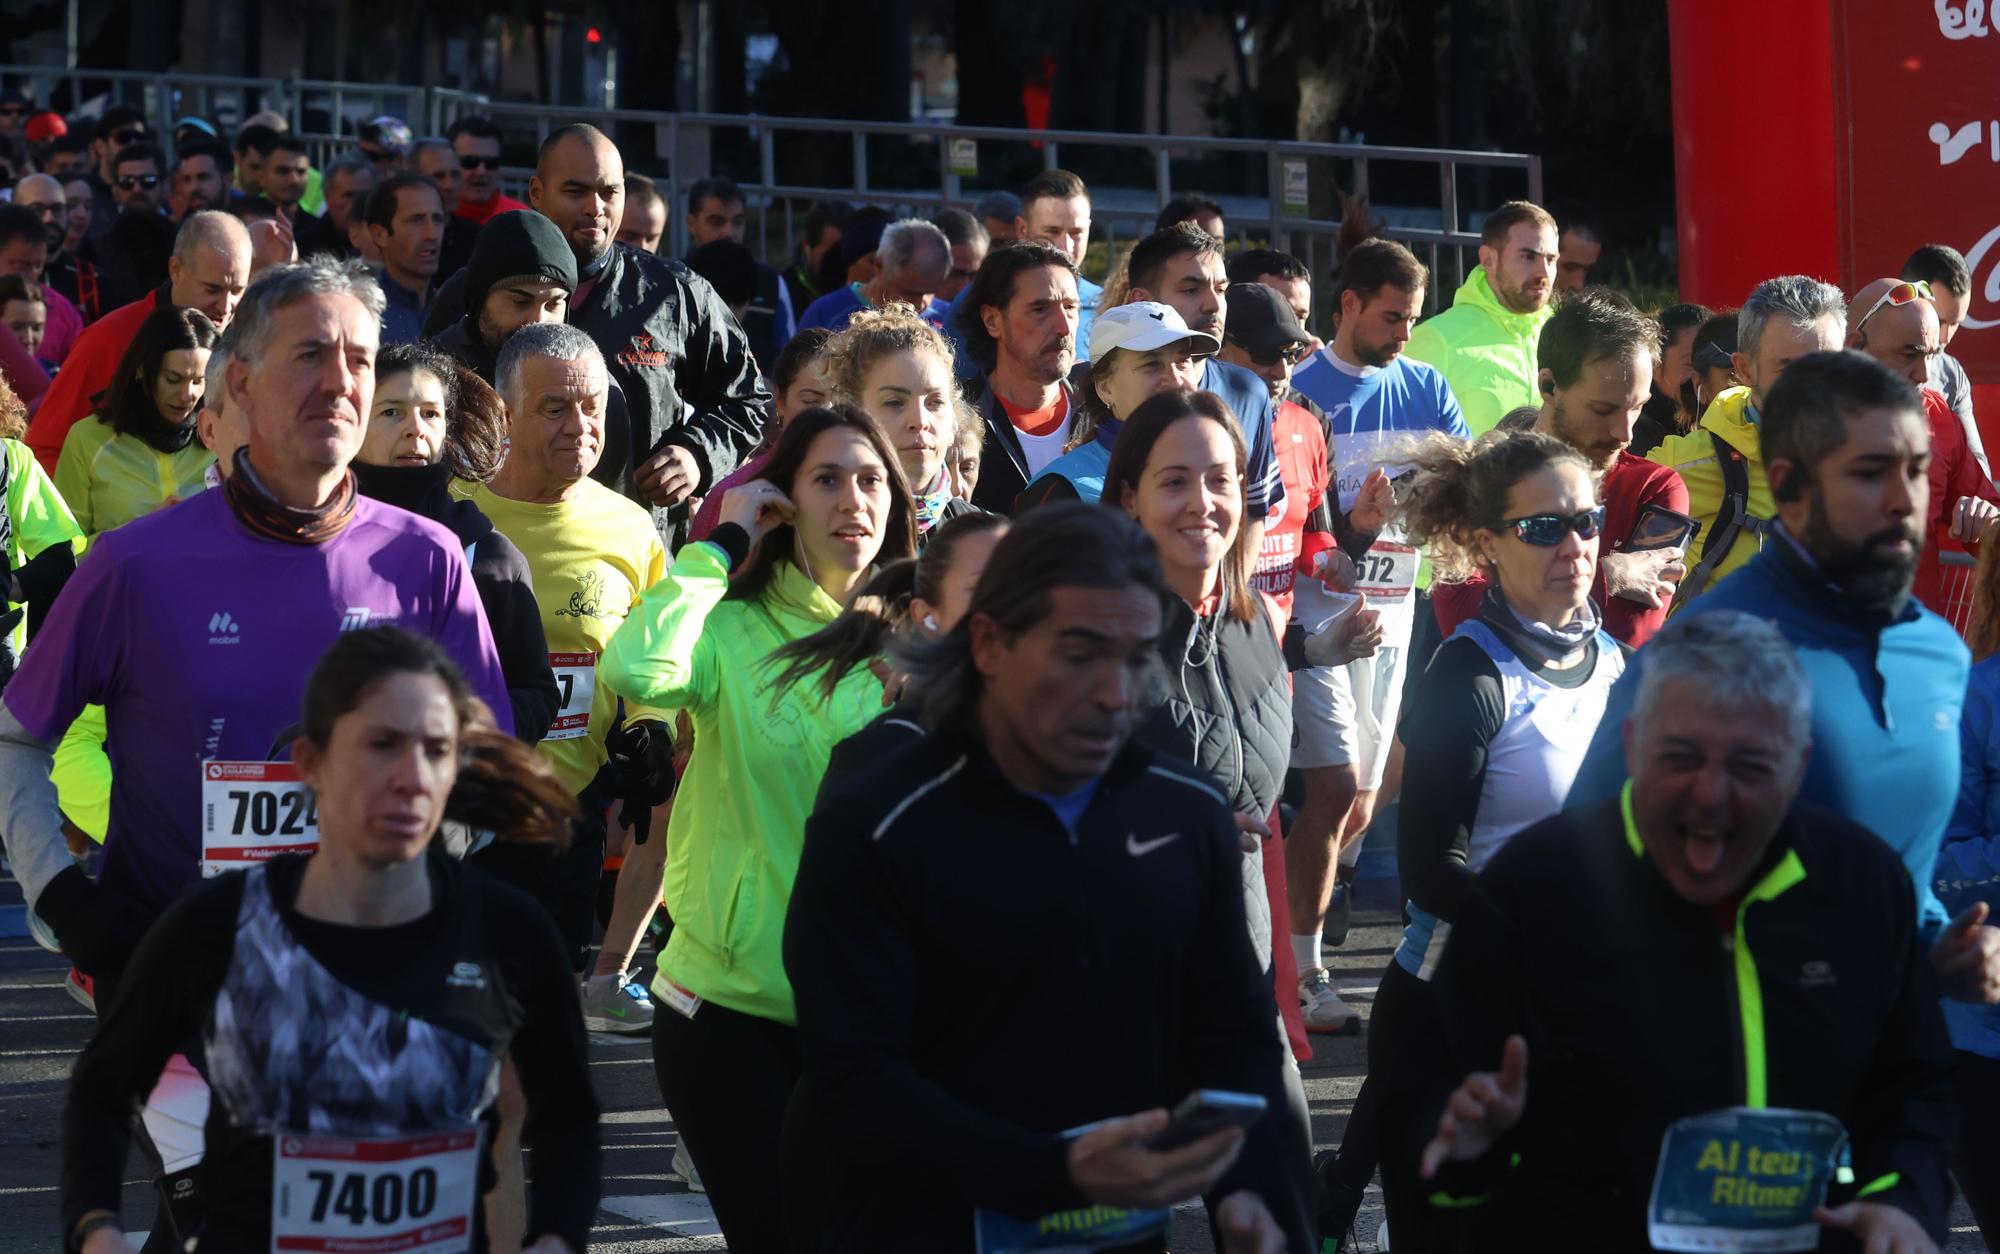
(97, 931)
(644, 752)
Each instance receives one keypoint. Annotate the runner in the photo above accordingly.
(38, 538)
(1724, 925)
(799, 540)
(1372, 395)
(1137, 351)
(235, 590)
(1502, 718)
(592, 554)
(954, 1113)
(434, 423)
(140, 452)
(354, 1005)
(897, 368)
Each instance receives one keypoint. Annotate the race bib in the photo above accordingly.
(348, 1195)
(576, 675)
(1387, 573)
(251, 811)
(1743, 1180)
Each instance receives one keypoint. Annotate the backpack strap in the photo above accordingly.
(1730, 520)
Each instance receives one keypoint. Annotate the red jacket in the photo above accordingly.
(1630, 483)
(501, 203)
(1954, 472)
(92, 364)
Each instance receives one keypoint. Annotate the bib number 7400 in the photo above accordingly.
(409, 1195)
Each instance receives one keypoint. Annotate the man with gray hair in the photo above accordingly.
(1845, 446)
(1678, 957)
(197, 627)
(1721, 460)
(592, 553)
(209, 270)
(915, 263)
(349, 180)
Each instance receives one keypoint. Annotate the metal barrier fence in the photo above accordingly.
(1956, 582)
(938, 164)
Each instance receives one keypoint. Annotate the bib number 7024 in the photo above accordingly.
(251, 811)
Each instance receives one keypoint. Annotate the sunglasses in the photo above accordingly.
(133, 182)
(1901, 294)
(13, 111)
(480, 163)
(1546, 531)
(130, 136)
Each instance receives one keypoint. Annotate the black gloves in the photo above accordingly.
(97, 931)
(644, 753)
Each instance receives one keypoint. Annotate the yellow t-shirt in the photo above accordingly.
(591, 557)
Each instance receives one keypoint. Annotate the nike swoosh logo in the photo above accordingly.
(1140, 848)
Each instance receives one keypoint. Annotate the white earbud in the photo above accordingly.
(930, 622)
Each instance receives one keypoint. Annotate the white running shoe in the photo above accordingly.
(616, 1003)
(1382, 1238)
(683, 1169)
(1322, 1008)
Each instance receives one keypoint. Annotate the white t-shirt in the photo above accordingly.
(1040, 450)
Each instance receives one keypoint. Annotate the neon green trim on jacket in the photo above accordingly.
(1692, 456)
(1485, 351)
(1880, 1184)
(1631, 828)
(1749, 990)
(739, 819)
(110, 479)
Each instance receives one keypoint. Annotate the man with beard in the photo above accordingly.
(522, 272)
(1018, 322)
(1896, 323)
(1485, 343)
(1844, 444)
(698, 403)
(1722, 460)
(1597, 370)
(1345, 716)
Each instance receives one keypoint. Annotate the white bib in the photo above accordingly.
(251, 811)
(576, 675)
(409, 1195)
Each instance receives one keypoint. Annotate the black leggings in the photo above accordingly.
(1977, 1166)
(727, 1078)
(1394, 1112)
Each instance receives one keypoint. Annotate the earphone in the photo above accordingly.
(930, 622)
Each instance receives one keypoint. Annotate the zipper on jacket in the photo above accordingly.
(1749, 989)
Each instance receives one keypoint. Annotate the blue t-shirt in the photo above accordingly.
(1069, 807)
(1365, 404)
(833, 309)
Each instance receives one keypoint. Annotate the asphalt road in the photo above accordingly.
(644, 1212)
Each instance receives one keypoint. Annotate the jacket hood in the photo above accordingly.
(1728, 416)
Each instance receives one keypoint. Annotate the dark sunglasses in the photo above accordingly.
(480, 163)
(13, 111)
(1546, 531)
(131, 135)
(133, 182)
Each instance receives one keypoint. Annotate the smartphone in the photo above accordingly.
(1661, 528)
(1207, 1111)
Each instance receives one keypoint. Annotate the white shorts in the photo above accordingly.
(1347, 714)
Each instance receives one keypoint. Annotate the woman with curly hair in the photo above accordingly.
(898, 369)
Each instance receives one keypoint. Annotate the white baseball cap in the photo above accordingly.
(1145, 325)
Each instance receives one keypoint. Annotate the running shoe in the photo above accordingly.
(44, 935)
(82, 988)
(616, 1003)
(1335, 1205)
(683, 1169)
(1321, 1006)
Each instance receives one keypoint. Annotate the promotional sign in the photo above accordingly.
(1742, 1180)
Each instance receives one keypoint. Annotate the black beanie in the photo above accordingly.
(519, 242)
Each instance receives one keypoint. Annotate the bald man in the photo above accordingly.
(73, 278)
(697, 400)
(208, 271)
(1896, 323)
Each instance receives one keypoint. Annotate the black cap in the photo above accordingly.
(518, 242)
(1261, 320)
(862, 235)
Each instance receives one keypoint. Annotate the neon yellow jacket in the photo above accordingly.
(739, 819)
(110, 479)
(1485, 351)
(1693, 455)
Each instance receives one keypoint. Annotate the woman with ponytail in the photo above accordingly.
(354, 1004)
(792, 550)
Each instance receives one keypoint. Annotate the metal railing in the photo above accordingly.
(689, 146)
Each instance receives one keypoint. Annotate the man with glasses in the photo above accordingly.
(1895, 322)
(119, 128)
(1372, 395)
(477, 142)
(73, 278)
(136, 178)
